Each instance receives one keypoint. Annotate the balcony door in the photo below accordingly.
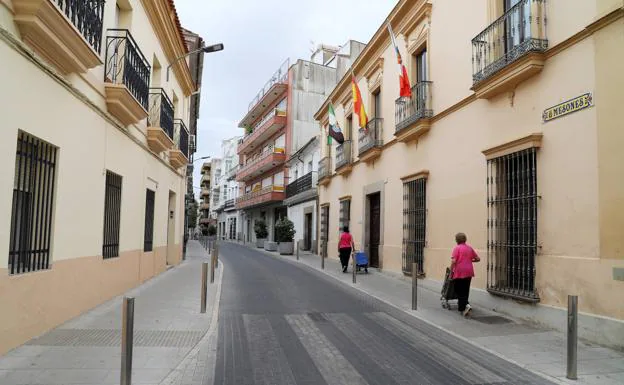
(517, 24)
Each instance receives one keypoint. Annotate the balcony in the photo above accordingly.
(510, 50)
(324, 171)
(266, 128)
(126, 76)
(204, 206)
(413, 115)
(274, 89)
(264, 195)
(204, 221)
(159, 121)
(205, 192)
(231, 173)
(66, 33)
(178, 156)
(263, 163)
(371, 140)
(229, 205)
(302, 189)
(344, 158)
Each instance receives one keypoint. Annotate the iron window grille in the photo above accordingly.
(414, 224)
(512, 225)
(86, 16)
(345, 213)
(325, 223)
(125, 64)
(112, 215)
(148, 238)
(32, 205)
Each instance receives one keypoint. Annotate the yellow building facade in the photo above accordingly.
(93, 153)
(512, 135)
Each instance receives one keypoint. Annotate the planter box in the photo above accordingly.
(270, 246)
(286, 248)
(260, 243)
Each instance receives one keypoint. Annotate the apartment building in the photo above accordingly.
(301, 192)
(215, 192)
(280, 120)
(204, 194)
(511, 135)
(227, 215)
(94, 176)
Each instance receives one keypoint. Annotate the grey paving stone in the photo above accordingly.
(86, 350)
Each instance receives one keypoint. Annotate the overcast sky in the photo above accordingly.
(258, 36)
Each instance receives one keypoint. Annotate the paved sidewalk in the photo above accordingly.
(169, 331)
(542, 351)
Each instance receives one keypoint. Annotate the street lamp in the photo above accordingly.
(208, 49)
(202, 158)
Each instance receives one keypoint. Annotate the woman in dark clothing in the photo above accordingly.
(345, 247)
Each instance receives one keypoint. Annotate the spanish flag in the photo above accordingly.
(358, 106)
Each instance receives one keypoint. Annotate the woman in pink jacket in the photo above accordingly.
(462, 271)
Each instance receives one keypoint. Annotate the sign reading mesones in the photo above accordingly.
(568, 107)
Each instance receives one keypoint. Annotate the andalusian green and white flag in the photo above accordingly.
(334, 128)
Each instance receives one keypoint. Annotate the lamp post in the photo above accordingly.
(208, 49)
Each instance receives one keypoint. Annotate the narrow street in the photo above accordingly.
(282, 324)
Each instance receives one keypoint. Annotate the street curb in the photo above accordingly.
(176, 375)
(411, 313)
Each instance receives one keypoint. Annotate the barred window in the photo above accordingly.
(512, 225)
(148, 238)
(112, 215)
(414, 224)
(33, 203)
(325, 223)
(345, 213)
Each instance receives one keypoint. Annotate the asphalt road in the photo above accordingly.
(283, 324)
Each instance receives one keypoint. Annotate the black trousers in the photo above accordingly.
(462, 289)
(345, 254)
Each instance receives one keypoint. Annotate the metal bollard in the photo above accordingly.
(212, 266)
(572, 336)
(354, 265)
(127, 339)
(414, 286)
(217, 256)
(204, 286)
(297, 246)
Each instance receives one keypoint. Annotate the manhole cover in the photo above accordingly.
(493, 320)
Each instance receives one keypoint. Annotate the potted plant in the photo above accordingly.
(285, 235)
(260, 229)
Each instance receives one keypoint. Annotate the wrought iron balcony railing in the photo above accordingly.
(518, 32)
(300, 185)
(371, 137)
(344, 154)
(125, 64)
(86, 16)
(182, 137)
(324, 167)
(160, 111)
(409, 110)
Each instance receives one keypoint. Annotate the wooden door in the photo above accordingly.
(374, 227)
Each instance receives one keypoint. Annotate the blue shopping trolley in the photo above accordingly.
(361, 261)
